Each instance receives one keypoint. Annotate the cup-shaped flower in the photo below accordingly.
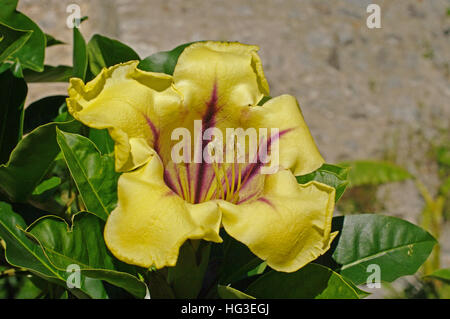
(177, 184)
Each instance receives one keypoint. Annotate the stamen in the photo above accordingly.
(219, 182)
(184, 188)
(188, 187)
(212, 191)
(235, 197)
(227, 183)
(233, 177)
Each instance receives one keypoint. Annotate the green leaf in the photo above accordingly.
(104, 52)
(441, 274)
(31, 159)
(227, 292)
(51, 41)
(9, 6)
(398, 247)
(31, 54)
(4, 67)
(237, 261)
(80, 55)
(444, 189)
(11, 40)
(163, 62)
(93, 173)
(49, 246)
(375, 173)
(443, 155)
(361, 293)
(310, 282)
(264, 100)
(102, 140)
(60, 73)
(186, 277)
(158, 286)
(27, 290)
(13, 92)
(23, 252)
(258, 270)
(82, 244)
(17, 68)
(42, 111)
(46, 185)
(331, 175)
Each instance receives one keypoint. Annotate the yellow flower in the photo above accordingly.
(162, 203)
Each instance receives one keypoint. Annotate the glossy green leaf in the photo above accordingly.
(310, 282)
(361, 293)
(375, 173)
(237, 261)
(398, 247)
(46, 185)
(163, 62)
(80, 55)
(104, 52)
(17, 68)
(51, 41)
(42, 111)
(186, 277)
(102, 140)
(331, 175)
(49, 246)
(64, 115)
(21, 251)
(227, 292)
(31, 159)
(31, 54)
(13, 92)
(92, 172)
(441, 274)
(60, 73)
(82, 244)
(11, 40)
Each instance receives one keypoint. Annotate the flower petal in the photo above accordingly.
(123, 99)
(288, 226)
(231, 69)
(151, 222)
(297, 149)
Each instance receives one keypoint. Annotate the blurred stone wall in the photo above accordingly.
(365, 93)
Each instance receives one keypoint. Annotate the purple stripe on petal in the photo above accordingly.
(244, 199)
(268, 202)
(155, 133)
(253, 169)
(188, 172)
(208, 120)
(169, 181)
